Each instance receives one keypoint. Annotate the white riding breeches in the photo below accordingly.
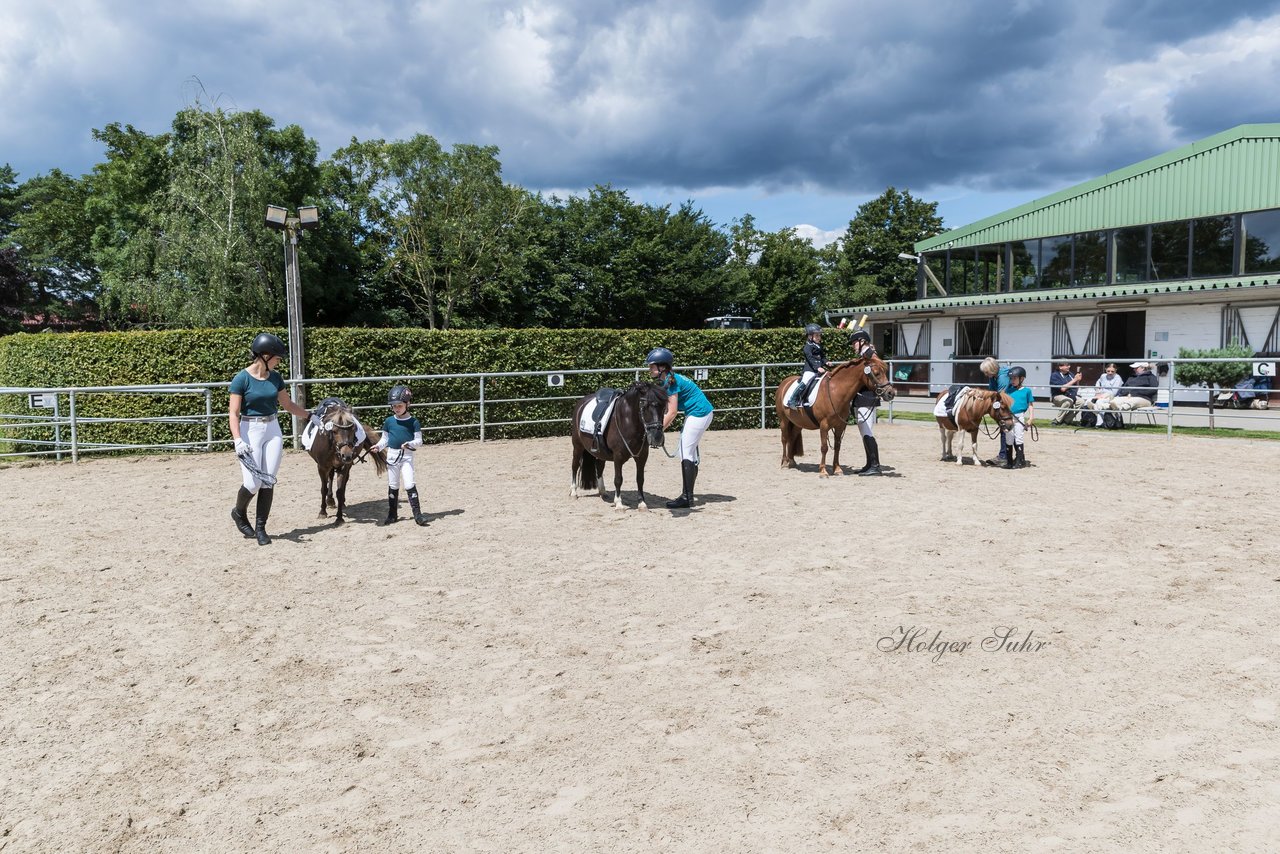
(1019, 429)
(691, 434)
(866, 420)
(400, 469)
(267, 442)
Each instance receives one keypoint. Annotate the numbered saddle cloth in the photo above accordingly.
(596, 415)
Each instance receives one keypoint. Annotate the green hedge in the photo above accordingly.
(214, 355)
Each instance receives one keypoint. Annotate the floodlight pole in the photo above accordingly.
(291, 227)
(293, 309)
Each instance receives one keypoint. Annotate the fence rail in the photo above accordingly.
(478, 415)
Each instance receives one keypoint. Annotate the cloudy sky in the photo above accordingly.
(795, 111)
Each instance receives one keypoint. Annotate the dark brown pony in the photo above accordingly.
(976, 404)
(335, 450)
(634, 428)
(831, 409)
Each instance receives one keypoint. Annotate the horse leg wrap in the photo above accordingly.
(393, 499)
(240, 515)
(265, 496)
(418, 515)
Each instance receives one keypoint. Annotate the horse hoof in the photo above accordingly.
(338, 521)
(822, 473)
(642, 506)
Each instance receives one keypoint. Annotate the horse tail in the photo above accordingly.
(379, 458)
(587, 473)
(795, 444)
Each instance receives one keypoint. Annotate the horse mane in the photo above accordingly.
(643, 388)
(340, 416)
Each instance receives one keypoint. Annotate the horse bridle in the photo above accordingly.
(648, 426)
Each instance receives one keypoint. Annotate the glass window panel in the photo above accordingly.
(990, 268)
(1169, 244)
(1055, 262)
(1131, 254)
(1090, 266)
(1026, 264)
(1213, 243)
(1262, 242)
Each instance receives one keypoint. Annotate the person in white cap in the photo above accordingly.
(1139, 389)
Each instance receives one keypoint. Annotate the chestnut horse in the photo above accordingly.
(831, 409)
(335, 450)
(634, 428)
(970, 408)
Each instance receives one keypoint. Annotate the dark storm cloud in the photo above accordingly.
(824, 95)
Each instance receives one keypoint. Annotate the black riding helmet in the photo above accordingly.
(267, 344)
(660, 356)
(399, 394)
(860, 335)
(1017, 371)
(812, 329)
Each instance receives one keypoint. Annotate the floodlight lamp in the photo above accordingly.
(905, 257)
(308, 217)
(276, 217)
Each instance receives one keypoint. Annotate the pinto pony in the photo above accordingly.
(634, 428)
(831, 409)
(971, 406)
(335, 450)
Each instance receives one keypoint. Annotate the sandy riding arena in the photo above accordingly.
(1080, 656)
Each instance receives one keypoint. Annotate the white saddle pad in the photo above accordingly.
(587, 424)
(813, 392)
(940, 408)
(310, 432)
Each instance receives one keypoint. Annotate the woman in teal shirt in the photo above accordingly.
(684, 396)
(257, 395)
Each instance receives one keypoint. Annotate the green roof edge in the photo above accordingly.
(1235, 134)
(1064, 294)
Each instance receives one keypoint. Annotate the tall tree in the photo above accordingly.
(448, 223)
(618, 263)
(213, 261)
(777, 276)
(125, 207)
(51, 235)
(868, 269)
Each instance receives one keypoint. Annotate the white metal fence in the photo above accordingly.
(60, 432)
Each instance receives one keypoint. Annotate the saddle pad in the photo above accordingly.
(948, 403)
(813, 392)
(587, 423)
(309, 435)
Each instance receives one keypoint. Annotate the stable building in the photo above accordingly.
(1181, 250)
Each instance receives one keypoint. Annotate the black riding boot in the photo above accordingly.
(393, 499)
(240, 513)
(798, 395)
(418, 515)
(1021, 458)
(1011, 459)
(873, 457)
(688, 474)
(265, 495)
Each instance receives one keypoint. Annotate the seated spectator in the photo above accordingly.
(1099, 399)
(1139, 390)
(1063, 391)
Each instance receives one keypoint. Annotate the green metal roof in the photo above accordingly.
(1236, 170)
(1060, 295)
